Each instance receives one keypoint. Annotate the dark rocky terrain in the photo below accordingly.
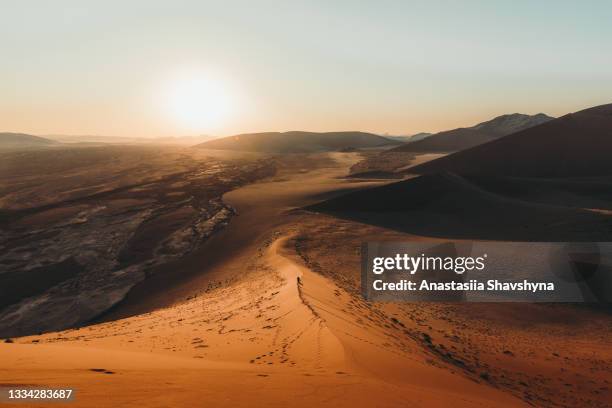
(79, 228)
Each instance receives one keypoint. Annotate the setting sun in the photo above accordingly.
(200, 103)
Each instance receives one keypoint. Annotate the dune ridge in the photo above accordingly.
(464, 138)
(267, 331)
(575, 145)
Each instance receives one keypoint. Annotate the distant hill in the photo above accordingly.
(22, 140)
(103, 140)
(94, 139)
(298, 142)
(574, 145)
(464, 138)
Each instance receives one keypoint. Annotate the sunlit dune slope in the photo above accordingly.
(305, 342)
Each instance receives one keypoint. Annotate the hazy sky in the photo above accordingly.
(111, 67)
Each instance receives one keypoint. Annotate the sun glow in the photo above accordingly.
(200, 103)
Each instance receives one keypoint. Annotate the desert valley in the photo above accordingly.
(227, 272)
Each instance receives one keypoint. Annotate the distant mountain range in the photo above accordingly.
(464, 138)
(101, 139)
(299, 142)
(22, 140)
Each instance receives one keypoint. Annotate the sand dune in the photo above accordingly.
(547, 355)
(260, 209)
(297, 342)
(550, 182)
(395, 160)
(389, 164)
(583, 192)
(464, 138)
(299, 142)
(577, 144)
(448, 205)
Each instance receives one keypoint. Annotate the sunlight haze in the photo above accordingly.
(76, 67)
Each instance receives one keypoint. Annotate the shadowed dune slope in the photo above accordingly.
(298, 142)
(464, 138)
(17, 140)
(448, 205)
(575, 145)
